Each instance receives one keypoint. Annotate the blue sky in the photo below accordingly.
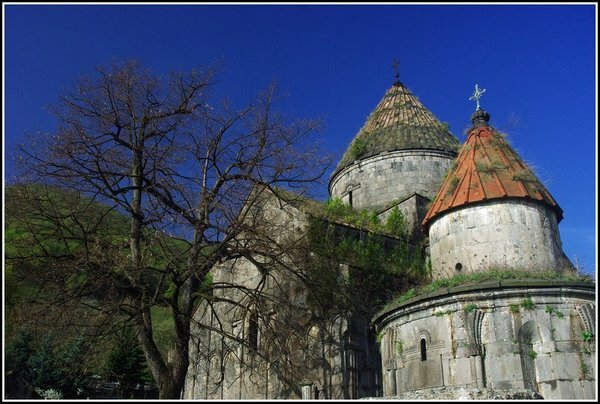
(537, 63)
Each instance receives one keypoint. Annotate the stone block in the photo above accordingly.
(565, 366)
(502, 327)
(549, 390)
(543, 368)
(546, 347)
(568, 345)
(564, 388)
(488, 285)
(460, 372)
(589, 390)
(505, 367)
(421, 374)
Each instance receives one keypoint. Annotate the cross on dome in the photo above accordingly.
(395, 65)
(477, 95)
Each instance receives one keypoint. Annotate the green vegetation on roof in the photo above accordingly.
(399, 122)
(336, 211)
(484, 276)
(400, 137)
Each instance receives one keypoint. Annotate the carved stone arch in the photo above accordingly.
(485, 331)
(423, 343)
(390, 339)
(351, 186)
(528, 333)
(587, 313)
(477, 326)
(424, 334)
(313, 331)
(294, 347)
(336, 324)
(474, 322)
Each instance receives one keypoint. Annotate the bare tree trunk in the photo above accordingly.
(160, 370)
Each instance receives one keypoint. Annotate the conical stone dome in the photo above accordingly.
(399, 157)
(399, 122)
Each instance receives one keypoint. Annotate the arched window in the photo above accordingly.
(423, 349)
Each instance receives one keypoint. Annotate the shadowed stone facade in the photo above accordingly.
(266, 341)
(496, 335)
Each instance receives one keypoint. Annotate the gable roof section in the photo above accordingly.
(488, 168)
(399, 122)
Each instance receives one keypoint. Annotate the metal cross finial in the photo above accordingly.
(395, 65)
(477, 95)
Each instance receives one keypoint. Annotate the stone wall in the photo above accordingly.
(524, 335)
(235, 354)
(506, 233)
(376, 182)
(264, 340)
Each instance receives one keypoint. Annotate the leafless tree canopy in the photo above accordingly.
(184, 170)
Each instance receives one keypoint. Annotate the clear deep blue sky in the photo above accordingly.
(537, 63)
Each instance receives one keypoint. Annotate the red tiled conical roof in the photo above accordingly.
(487, 168)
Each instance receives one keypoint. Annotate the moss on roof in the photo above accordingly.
(399, 122)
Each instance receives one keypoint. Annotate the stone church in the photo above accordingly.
(475, 207)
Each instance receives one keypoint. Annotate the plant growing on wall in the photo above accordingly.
(489, 168)
(395, 223)
(379, 337)
(553, 311)
(399, 347)
(514, 308)
(584, 370)
(491, 275)
(358, 148)
(443, 313)
(373, 269)
(527, 304)
(587, 337)
(337, 209)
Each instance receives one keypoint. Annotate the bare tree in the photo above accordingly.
(184, 171)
